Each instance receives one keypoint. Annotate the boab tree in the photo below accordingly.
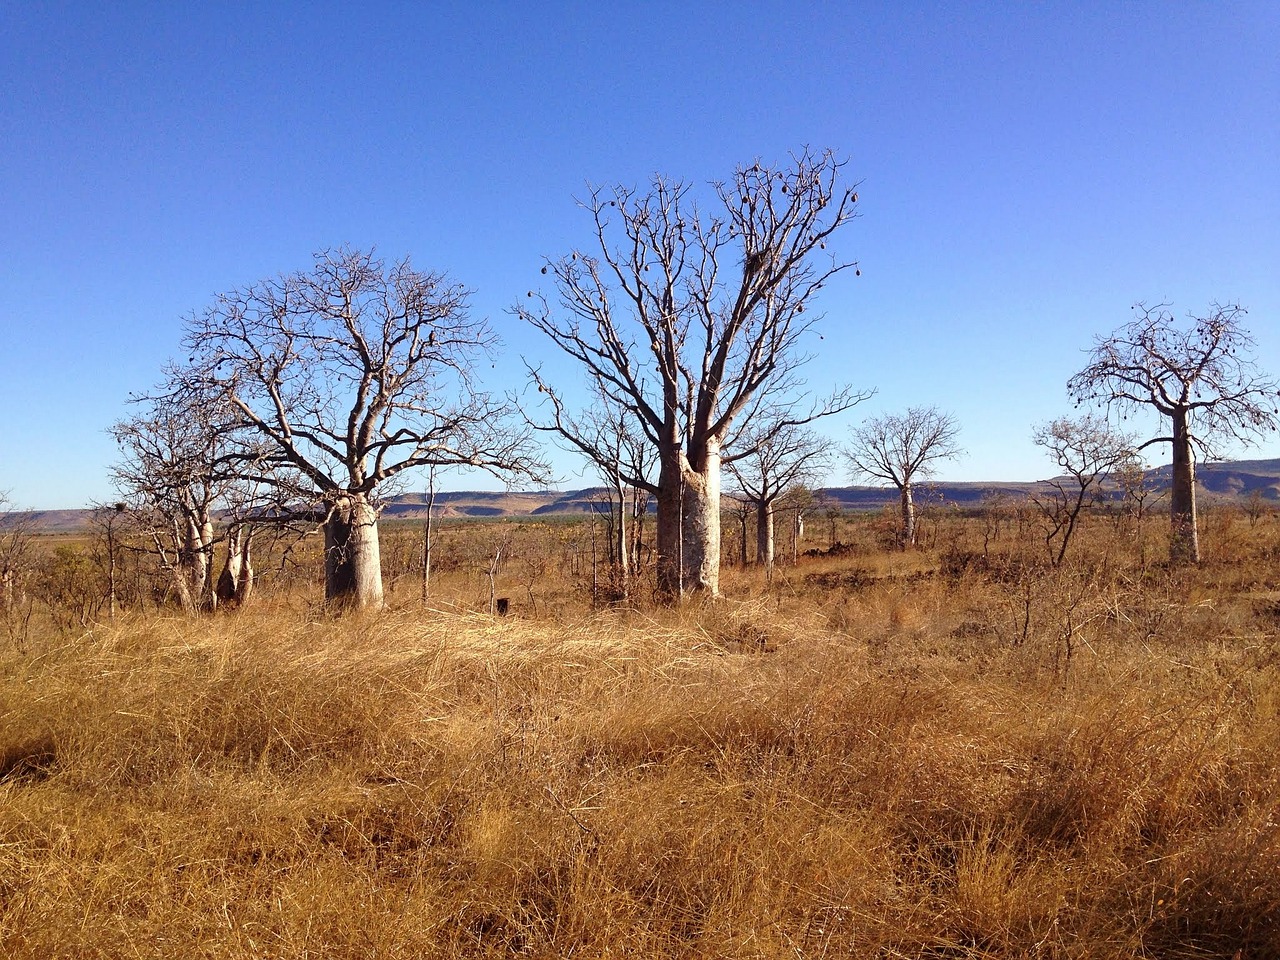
(771, 457)
(903, 449)
(182, 468)
(1202, 379)
(352, 373)
(684, 319)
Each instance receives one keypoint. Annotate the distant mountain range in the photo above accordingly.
(1226, 482)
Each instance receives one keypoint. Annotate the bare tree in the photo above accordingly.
(180, 465)
(1202, 379)
(685, 319)
(774, 461)
(608, 436)
(17, 530)
(903, 449)
(1088, 450)
(353, 373)
(798, 502)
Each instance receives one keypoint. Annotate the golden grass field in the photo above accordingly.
(878, 756)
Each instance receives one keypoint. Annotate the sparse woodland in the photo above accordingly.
(961, 750)
(1033, 728)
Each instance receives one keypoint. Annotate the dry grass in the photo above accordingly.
(866, 770)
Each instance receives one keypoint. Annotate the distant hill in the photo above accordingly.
(53, 521)
(480, 504)
(1226, 482)
(1232, 479)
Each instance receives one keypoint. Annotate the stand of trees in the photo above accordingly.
(773, 462)
(686, 321)
(317, 389)
(307, 396)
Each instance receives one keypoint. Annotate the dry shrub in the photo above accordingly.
(733, 780)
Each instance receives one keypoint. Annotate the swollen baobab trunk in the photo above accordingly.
(1184, 545)
(352, 560)
(193, 573)
(689, 526)
(701, 533)
(235, 584)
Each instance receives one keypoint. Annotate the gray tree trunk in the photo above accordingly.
(689, 525)
(908, 534)
(764, 536)
(1184, 543)
(670, 523)
(620, 537)
(352, 560)
(701, 533)
(194, 572)
(235, 583)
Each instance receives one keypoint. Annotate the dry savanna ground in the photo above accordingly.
(958, 752)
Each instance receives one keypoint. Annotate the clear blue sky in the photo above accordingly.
(1028, 172)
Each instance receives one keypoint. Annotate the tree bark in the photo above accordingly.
(193, 574)
(621, 546)
(639, 504)
(235, 583)
(689, 527)
(244, 581)
(764, 536)
(352, 560)
(908, 517)
(701, 533)
(1184, 544)
(670, 524)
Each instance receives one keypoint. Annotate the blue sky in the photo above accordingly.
(1028, 171)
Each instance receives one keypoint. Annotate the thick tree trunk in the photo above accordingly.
(244, 581)
(689, 526)
(908, 535)
(764, 536)
(235, 583)
(701, 533)
(1184, 543)
(193, 575)
(670, 522)
(352, 561)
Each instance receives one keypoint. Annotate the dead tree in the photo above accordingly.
(1088, 450)
(1201, 379)
(352, 373)
(774, 461)
(903, 449)
(684, 319)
